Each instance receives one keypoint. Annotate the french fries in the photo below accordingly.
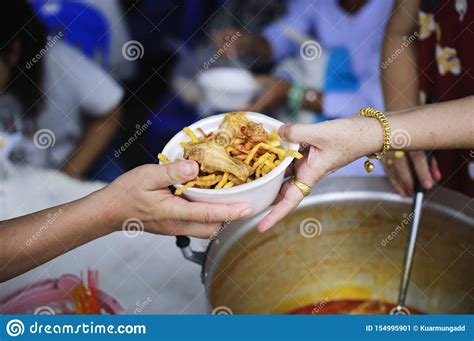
(163, 158)
(262, 156)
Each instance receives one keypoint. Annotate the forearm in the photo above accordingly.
(98, 134)
(399, 58)
(447, 125)
(34, 239)
(400, 88)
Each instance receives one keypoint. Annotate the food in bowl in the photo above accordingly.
(238, 152)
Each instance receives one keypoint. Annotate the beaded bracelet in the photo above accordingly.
(371, 112)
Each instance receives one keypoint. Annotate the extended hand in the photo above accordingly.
(143, 194)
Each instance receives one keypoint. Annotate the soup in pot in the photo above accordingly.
(351, 307)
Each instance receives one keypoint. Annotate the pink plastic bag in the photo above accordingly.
(51, 296)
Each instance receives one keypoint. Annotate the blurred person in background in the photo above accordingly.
(438, 68)
(352, 28)
(64, 104)
(192, 48)
(121, 68)
(329, 60)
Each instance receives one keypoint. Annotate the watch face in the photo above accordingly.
(311, 96)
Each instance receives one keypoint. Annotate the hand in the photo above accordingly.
(401, 175)
(143, 194)
(327, 147)
(275, 94)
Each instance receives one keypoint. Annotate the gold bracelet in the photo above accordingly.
(371, 112)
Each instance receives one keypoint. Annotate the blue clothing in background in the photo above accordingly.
(361, 34)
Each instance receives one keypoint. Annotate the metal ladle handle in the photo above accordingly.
(410, 251)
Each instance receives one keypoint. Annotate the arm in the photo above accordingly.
(400, 87)
(99, 133)
(31, 240)
(276, 94)
(334, 144)
(141, 196)
(99, 96)
(447, 125)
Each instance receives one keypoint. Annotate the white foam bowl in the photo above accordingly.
(259, 193)
(226, 88)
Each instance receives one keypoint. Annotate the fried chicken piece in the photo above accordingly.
(231, 128)
(255, 132)
(213, 157)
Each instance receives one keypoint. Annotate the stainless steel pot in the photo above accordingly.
(345, 241)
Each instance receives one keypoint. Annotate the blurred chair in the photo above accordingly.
(82, 25)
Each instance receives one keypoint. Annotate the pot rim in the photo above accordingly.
(340, 189)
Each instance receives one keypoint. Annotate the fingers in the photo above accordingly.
(290, 170)
(198, 230)
(161, 176)
(422, 170)
(179, 209)
(170, 227)
(401, 174)
(403, 177)
(435, 171)
(397, 186)
(297, 133)
(292, 197)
